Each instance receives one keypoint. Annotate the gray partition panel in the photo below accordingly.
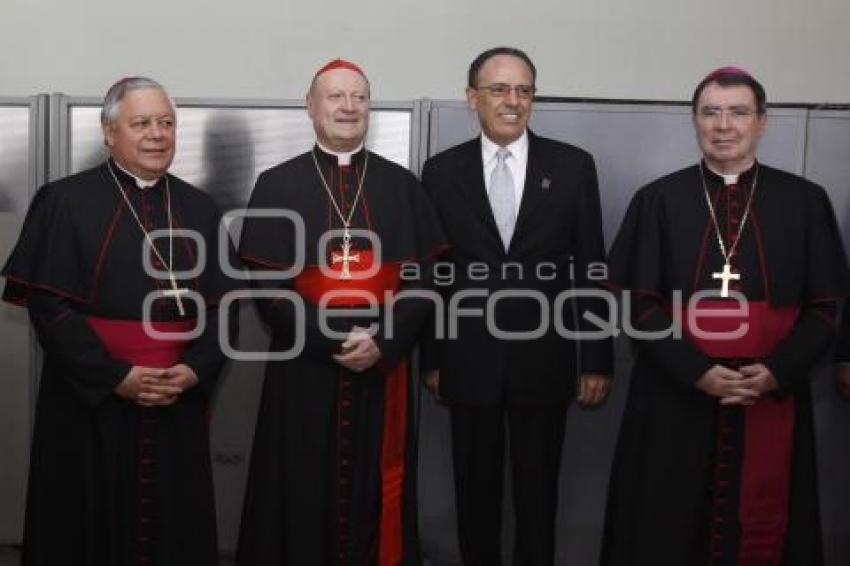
(222, 146)
(22, 136)
(828, 163)
(828, 160)
(632, 144)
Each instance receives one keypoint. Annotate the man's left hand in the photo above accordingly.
(842, 379)
(359, 351)
(593, 389)
(181, 376)
(758, 378)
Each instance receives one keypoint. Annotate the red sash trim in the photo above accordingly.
(312, 284)
(767, 326)
(768, 431)
(765, 481)
(390, 550)
(127, 340)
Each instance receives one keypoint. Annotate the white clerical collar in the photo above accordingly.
(516, 148)
(342, 157)
(730, 178)
(141, 183)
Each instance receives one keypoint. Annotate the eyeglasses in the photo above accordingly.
(733, 113)
(501, 90)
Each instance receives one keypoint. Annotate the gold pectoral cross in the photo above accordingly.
(175, 292)
(726, 275)
(346, 258)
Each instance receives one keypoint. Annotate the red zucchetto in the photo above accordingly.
(728, 70)
(339, 64)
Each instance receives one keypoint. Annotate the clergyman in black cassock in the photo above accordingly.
(332, 468)
(120, 470)
(716, 458)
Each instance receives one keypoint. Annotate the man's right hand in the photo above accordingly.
(431, 380)
(144, 386)
(842, 379)
(725, 384)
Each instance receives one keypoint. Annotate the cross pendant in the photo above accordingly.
(346, 258)
(726, 275)
(176, 292)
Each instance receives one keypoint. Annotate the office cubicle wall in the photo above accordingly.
(222, 146)
(632, 145)
(827, 162)
(22, 168)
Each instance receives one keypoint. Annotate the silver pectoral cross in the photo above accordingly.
(176, 292)
(726, 275)
(347, 257)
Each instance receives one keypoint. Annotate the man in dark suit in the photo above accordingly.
(522, 216)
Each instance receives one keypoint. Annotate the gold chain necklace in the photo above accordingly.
(175, 291)
(347, 257)
(727, 275)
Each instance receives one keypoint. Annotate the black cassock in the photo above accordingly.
(689, 476)
(322, 487)
(113, 483)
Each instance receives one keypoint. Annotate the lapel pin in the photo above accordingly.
(545, 183)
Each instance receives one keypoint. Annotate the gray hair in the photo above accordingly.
(117, 92)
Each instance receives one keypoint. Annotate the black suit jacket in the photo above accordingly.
(558, 233)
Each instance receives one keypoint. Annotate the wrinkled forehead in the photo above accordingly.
(506, 69)
(341, 79)
(146, 102)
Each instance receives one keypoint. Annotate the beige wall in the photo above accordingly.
(644, 49)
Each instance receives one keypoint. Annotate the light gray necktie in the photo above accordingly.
(502, 197)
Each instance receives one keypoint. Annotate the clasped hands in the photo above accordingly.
(741, 387)
(156, 387)
(359, 351)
